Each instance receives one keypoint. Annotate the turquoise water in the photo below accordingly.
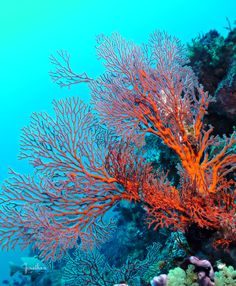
(32, 30)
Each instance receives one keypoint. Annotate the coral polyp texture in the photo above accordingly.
(88, 158)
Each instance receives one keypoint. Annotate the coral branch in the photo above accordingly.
(63, 75)
(74, 187)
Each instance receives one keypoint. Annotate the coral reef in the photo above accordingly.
(91, 160)
(212, 58)
(226, 276)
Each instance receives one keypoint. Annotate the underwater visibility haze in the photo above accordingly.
(118, 144)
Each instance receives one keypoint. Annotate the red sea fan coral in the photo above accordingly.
(72, 188)
(153, 90)
(85, 164)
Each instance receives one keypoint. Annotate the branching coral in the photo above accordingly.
(86, 164)
(72, 188)
(91, 268)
